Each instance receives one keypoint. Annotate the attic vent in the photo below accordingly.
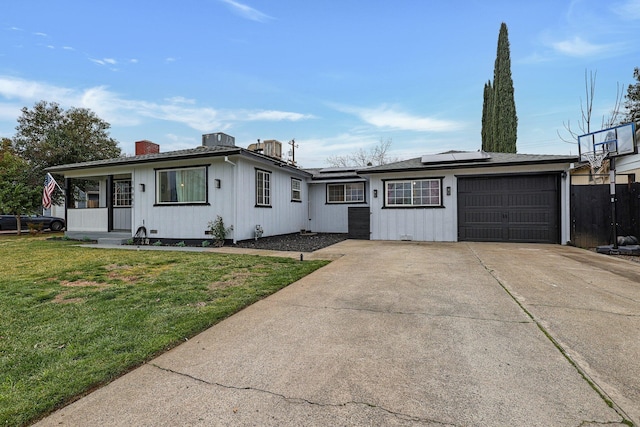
(452, 157)
(218, 138)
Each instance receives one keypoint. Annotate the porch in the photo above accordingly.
(102, 237)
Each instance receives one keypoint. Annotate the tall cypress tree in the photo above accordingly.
(487, 109)
(499, 131)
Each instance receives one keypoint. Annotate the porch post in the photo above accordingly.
(109, 192)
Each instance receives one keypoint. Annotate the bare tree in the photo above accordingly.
(586, 110)
(374, 156)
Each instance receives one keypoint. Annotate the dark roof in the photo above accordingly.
(334, 173)
(496, 159)
(191, 153)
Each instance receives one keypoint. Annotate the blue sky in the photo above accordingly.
(334, 75)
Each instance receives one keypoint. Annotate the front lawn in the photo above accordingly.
(75, 318)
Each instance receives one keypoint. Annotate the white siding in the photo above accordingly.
(441, 224)
(182, 222)
(421, 224)
(329, 217)
(283, 217)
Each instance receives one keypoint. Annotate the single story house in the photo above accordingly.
(454, 196)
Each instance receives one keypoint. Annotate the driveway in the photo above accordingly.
(406, 334)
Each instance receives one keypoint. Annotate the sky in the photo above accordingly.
(335, 76)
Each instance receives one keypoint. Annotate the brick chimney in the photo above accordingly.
(146, 147)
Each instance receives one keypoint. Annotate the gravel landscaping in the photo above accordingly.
(294, 242)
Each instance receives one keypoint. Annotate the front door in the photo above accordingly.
(121, 212)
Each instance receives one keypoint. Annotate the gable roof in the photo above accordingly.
(493, 159)
(191, 153)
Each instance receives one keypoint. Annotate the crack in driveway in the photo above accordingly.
(592, 382)
(412, 313)
(301, 400)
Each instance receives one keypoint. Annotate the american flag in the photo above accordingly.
(49, 186)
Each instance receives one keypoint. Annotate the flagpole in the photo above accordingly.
(55, 182)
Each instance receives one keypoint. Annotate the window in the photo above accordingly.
(122, 193)
(263, 188)
(187, 185)
(345, 193)
(416, 192)
(296, 190)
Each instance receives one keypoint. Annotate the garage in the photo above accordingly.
(509, 208)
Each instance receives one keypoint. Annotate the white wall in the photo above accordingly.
(329, 217)
(441, 224)
(182, 222)
(426, 225)
(283, 217)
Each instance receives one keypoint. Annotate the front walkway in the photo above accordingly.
(402, 333)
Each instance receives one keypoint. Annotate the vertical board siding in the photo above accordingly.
(420, 224)
(329, 217)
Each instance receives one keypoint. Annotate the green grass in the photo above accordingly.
(74, 318)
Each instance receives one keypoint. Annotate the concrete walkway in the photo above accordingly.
(399, 334)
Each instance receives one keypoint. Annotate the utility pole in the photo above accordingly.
(293, 145)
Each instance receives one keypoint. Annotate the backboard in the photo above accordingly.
(612, 142)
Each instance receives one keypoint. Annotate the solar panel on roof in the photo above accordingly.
(465, 156)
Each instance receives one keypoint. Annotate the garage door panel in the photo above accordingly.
(509, 208)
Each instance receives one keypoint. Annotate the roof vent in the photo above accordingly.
(218, 138)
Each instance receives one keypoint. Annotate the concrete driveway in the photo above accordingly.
(402, 333)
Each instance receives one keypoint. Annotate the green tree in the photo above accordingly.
(500, 130)
(487, 109)
(20, 193)
(632, 103)
(47, 135)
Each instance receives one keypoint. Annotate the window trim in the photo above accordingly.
(386, 204)
(266, 190)
(344, 201)
(157, 171)
(117, 201)
(294, 190)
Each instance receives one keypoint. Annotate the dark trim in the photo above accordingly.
(255, 174)
(346, 202)
(414, 207)
(494, 175)
(384, 193)
(206, 183)
(109, 194)
(299, 190)
(263, 206)
(469, 166)
(182, 204)
(204, 165)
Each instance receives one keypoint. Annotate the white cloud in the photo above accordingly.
(126, 112)
(277, 116)
(390, 118)
(247, 12)
(579, 47)
(628, 10)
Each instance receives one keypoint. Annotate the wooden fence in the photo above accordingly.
(591, 223)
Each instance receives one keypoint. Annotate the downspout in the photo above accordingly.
(235, 198)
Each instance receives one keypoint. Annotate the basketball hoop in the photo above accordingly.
(595, 158)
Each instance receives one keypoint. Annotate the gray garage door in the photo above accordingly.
(509, 208)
